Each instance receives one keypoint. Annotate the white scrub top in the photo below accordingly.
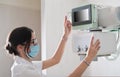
(24, 68)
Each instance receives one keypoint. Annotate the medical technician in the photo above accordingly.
(22, 43)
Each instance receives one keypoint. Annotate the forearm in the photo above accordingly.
(59, 52)
(92, 51)
(57, 56)
(81, 68)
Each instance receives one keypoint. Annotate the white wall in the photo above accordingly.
(10, 18)
(103, 2)
(31, 4)
(55, 10)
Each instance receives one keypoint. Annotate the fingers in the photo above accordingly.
(94, 48)
(97, 43)
(69, 23)
(91, 43)
(98, 47)
(65, 22)
(65, 18)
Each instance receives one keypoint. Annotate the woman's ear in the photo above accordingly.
(20, 48)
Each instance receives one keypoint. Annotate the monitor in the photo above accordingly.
(84, 17)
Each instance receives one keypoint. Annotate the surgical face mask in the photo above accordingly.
(34, 50)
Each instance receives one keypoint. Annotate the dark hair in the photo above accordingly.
(19, 36)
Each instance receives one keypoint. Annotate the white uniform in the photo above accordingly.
(24, 68)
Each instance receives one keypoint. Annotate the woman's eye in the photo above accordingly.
(33, 41)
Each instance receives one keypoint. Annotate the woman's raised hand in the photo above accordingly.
(67, 27)
(93, 49)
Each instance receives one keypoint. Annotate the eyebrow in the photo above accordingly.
(34, 40)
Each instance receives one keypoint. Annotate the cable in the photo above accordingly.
(115, 55)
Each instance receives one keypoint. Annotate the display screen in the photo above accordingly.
(82, 15)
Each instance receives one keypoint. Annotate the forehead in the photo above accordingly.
(33, 35)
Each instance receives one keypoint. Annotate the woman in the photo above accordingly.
(23, 45)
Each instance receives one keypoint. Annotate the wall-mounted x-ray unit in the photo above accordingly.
(81, 42)
(109, 16)
(93, 18)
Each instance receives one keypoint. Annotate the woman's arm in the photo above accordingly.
(58, 54)
(92, 51)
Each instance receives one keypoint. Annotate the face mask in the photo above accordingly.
(34, 50)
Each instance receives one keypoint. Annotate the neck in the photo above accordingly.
(26, 58)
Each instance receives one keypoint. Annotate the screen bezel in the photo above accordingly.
(79, 9)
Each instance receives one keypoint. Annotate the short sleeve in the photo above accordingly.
(38, 65)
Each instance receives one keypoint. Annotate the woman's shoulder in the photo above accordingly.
(24, 70)
(19, 67)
